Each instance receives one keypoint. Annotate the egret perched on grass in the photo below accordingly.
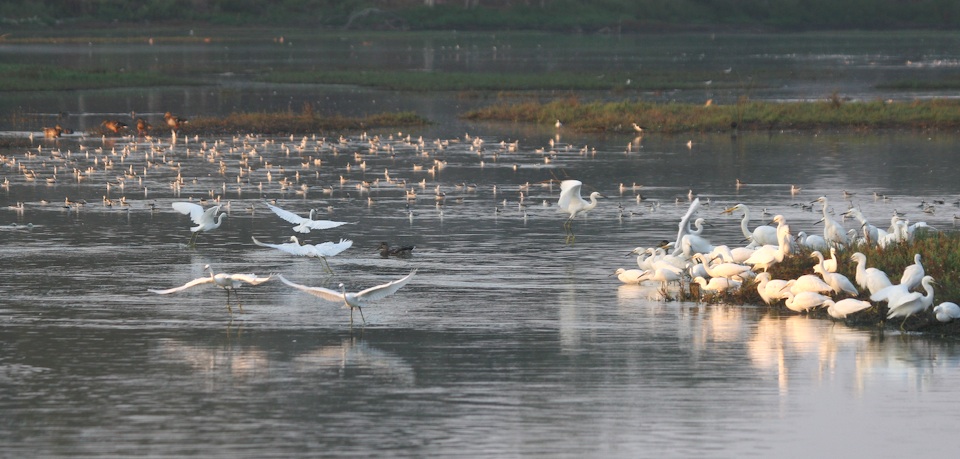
(833, 232)
(353, 300)
(206, 220)
(225, 281)
(871, 279)
(804, 301)
(947, 311)
(304, 224)
(321, 251)
(912, 274)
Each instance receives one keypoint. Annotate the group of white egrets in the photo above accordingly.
(209, 220)
(720, 268)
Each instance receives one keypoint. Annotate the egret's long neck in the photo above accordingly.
(593, 203)
(743, 225)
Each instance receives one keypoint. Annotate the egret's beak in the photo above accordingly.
(819, 221)
(729, 210)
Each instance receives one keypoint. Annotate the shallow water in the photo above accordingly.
(509, 341)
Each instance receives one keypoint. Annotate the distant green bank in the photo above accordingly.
(834, 113)
(282, 123)
(22, 77)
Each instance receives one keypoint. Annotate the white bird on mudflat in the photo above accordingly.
(913, 302)
(321, 251)
(804, 301)
(841, 309)
(629, 276)
(225, 281)
(571, 202)
(761, 235)
(871, 279)
(353, 300)
(947, 311)
(304, 225)
(206, 220)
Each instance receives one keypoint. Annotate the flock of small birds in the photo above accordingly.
(210, 172)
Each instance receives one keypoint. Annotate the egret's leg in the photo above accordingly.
(326, 265)
(351, 317)
(229, 309)
(361, 315)
(236, 295)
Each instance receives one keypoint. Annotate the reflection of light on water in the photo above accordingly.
(356, 354)
(230, 362)
(629, 294)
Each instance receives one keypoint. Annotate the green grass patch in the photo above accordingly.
(292, 123)
(19, 77)
(746, 115)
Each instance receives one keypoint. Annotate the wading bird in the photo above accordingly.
(225, 281)
(353, 300)
(321, 251)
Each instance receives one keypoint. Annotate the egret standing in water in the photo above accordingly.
(225, 281)
(321, 251)
(206, 220)
(571, 202)
(353, 300)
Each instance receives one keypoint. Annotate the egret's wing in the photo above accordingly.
(251, 279)
(197, 281)
(208, 216)
(684, 226)
(568, 189)
(329, 249)
(289, 247)
(384, 290)
(322, 293)
(286, 214)
(324, 224)
(903, 299)
(195, 211)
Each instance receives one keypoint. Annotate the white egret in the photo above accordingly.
(837, 282)
(770, 289)
(912, 274)
(809, 283)
(717, 284)
(684, 225)
(804, 301)
(225, 281)
(761, 235)
(812, 241)
(947, 311)
(321, 251)
(206, 220)
(833, 232)
(767, 256)
(664, 275)
(871, 279)
(841, 309)
(571, 202)
(302, 224)
(913, 302)
(353, 300)
(727, 270)
(629, 276)
(693, 243)
(870, 232)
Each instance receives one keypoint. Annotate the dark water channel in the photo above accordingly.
(508, 341)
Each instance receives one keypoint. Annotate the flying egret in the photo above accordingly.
(761, 235)
(204, 219)
(841, 309)
(913, 302)
(947, 311)
(225, 281)
(353, 300)
(871, 279)
(570, 200)
(401, 252)
(304, 225)
(321, 251)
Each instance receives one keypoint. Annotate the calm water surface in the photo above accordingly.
(508, 341)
